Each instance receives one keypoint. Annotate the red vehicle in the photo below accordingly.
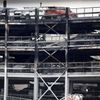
(58, 12)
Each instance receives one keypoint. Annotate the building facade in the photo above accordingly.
(49, 56)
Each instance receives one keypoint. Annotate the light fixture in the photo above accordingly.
(1, 56)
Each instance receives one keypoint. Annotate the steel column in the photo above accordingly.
(36, 55)
(66, 85)
(6, 56)
(71, 87)
(5, 3)
(66, 56)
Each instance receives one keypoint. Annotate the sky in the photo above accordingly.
(65, 3)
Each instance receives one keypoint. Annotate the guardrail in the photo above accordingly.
(47, 37)
(48, 68)
(85, 40)
(49, 13)
(13, 98)
(87, 12)
(44, 68)
(20, 68)
(31, 44)
(17, 41)
(84, 66)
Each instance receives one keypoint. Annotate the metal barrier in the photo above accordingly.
(20, 68)
(85, 40)
(13, 98)
(47, 68)
(49, 13)
(20, 38)
(31, 44)
(84, 67)
(87, 12)
(44, 68)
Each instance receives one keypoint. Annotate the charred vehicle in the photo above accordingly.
(58, 13)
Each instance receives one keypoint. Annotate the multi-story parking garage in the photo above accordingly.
(48, 57)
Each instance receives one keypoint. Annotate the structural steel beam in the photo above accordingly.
(36, 55)
(66, 57)
(6, 53)
(4, 3)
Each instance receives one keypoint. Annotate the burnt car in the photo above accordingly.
(58, 13)
(19, 15)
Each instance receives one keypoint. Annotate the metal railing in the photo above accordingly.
(28, 41)
(31, 44)
(51, 41)
(48, 37)
(84, 66)
(13, 98)
(48, 68)
(20, 44)
(20, 38)
(85, 40)
(44, 68)
(28, 15)
(87, 12)
(20, 68)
